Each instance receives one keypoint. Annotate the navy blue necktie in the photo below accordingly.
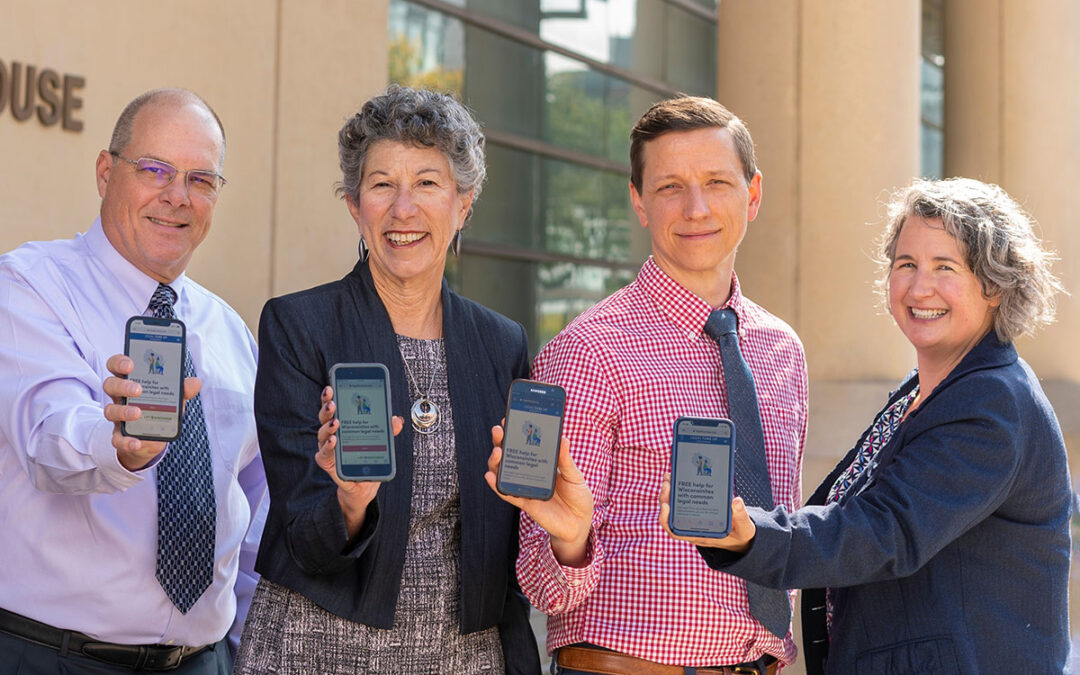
(187, 510)
(769, 606)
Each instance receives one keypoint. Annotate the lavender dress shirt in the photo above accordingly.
(79, 530)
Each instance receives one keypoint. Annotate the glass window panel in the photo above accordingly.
(505, 82)
(426, 49)
(543, 297)
(507, 211)
(591, 112)
(549, 97)
(690, 53)
(933, 152)
(521, 13)
(933, 93)
(586, 212)
(544, 204)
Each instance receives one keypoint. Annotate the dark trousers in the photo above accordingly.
(22, 657)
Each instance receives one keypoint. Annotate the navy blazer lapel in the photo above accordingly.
(987, 353)
(381, 346)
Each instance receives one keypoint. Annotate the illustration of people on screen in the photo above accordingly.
(532, 433)
(704, 465)
(362, 406)
(154, 364)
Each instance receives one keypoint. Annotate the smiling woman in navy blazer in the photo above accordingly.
(414, 575)
(940, 544)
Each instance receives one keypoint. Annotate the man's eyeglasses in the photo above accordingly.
(159, 174)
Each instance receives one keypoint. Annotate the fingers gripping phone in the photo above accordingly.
(701, 477)
(158, 349)
(365, 435)
(531, 435)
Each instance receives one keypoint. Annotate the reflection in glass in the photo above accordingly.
(690, 53)
(537, 203)
(426, 49)
(932, 89)
(542, 296)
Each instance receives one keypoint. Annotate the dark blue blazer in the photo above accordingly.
(305, 546)
(954, 556)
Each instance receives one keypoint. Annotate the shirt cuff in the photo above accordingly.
(577, 582)
(104, 455)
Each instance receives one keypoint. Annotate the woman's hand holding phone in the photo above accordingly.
(567, 516)
(353, 496)
(739, 537)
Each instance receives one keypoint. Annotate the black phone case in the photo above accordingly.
(183, 356)
(730, 481)
(530, 494)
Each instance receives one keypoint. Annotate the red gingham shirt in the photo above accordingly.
(630, 366)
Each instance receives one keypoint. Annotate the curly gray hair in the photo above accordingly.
(999, 244)
(417, 117)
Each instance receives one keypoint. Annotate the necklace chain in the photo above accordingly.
(425, 414)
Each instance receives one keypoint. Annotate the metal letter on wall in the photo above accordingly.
(54, 97)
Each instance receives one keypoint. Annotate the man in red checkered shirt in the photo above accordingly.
(621, 595)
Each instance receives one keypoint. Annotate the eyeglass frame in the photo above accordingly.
(187, 173)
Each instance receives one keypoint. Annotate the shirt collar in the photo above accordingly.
(132, 282)
(680, 305)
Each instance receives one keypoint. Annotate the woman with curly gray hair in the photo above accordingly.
(413, 575)
(940, 544)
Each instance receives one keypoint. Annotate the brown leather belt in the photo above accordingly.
(615, 663)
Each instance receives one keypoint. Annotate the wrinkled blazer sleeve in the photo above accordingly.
(943, 479)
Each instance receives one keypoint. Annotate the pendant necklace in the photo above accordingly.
(425, 414)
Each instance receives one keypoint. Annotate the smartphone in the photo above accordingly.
(157, 348)
(365, 435)
(702, 453)
(534, 423)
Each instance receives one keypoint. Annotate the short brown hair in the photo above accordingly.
(686, 113)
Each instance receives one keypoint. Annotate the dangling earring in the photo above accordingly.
(363, 250)
(455, 245)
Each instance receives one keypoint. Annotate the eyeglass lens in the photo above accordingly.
(160, 174)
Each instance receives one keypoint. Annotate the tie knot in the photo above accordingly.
(721, 322)
(162, 301)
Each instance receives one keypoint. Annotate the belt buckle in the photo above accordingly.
(746, 670)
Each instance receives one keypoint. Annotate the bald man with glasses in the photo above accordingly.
(122, 554)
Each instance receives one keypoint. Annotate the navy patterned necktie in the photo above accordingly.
(187, 510)
(769, 606)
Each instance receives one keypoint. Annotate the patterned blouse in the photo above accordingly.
(866, 461)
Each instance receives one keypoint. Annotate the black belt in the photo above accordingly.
(136, 657)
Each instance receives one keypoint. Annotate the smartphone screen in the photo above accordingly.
(157, 348)
(534, 420)
(701, 477)
(365, 444)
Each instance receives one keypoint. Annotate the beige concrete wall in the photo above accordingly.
(830, 93)
(332, 58)
(759, 81)
(1011, 109)
(282, 76)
